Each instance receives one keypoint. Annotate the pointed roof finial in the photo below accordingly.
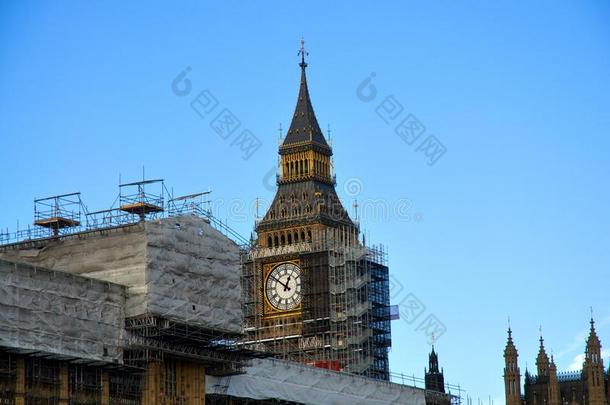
(304, 126)
(303, 54)
(592, 334)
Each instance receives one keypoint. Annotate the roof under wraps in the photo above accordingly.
(299, 383)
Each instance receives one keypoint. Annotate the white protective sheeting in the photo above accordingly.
(288, 381)
(180, 268)
(60, 313)
(193, 274)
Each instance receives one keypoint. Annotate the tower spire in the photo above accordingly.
(593, 368)
(435, 380)
(512, 376)
(542, 362)
(304, 127)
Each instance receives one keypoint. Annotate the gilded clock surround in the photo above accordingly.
(269, 311)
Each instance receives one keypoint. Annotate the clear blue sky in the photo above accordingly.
(512, 220)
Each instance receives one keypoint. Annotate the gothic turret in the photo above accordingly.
(435, 382)
(554, 393)
(593, 369)
(542, 362)
(512, 378)
(435, 379)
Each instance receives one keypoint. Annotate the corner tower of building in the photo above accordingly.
(512, 376)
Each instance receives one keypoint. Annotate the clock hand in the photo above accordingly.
(286, 288)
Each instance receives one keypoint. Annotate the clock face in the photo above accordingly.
(283, 287)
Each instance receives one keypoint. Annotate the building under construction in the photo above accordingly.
(343, 320)
(142, 304)
(156, 302)
(135, 308)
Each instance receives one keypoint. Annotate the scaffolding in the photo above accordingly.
(191, 204)
(174, 351)
(152, 338)
(136, 201)
(58, 212)
(66, 214)
(344, 321)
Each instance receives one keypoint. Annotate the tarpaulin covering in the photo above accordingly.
(180, 268)
(288, 381)
(60, 313)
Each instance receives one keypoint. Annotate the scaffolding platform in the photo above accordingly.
(139, 202)
(57, 223)
(141, 208)
(58, 212)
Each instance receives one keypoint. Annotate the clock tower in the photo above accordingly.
(312, 292)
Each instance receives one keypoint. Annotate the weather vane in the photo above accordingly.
(303, 52)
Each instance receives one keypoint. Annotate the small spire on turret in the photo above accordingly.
(542, 362)
(593, 340)
(303, 54)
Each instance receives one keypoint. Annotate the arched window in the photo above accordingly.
(290, 239)
(302, 235)
(296, 237)
(269, 242)
(276, 241)
(308, 235)
(306, 166)
(300, 167)
(282, 240)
